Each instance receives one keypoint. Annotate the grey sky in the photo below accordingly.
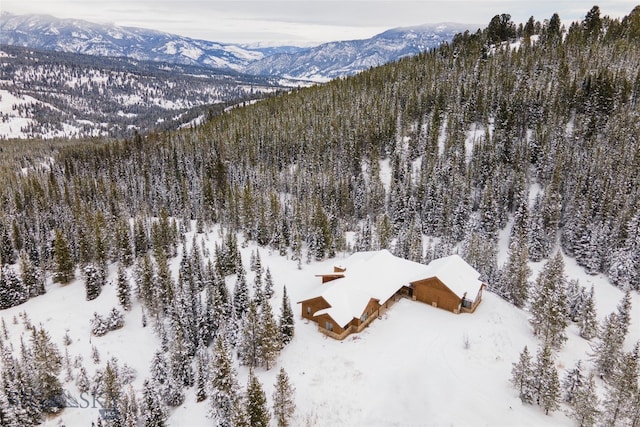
(302, 22)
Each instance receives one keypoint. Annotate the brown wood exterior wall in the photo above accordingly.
(432, 291)
(313, 305)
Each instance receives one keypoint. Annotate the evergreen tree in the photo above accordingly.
(224, 389)
(572, 382)
(257, 403)
(123, 288)
(46, 365)
(285, 321)
(514, 277)
(607, 351)
(546, 382)
(64, 265)
(31, 276)
(12, 290)
(549, 304)
(268, 284)
(622, 390)
(240, 295)
(584, 407)
(202, 373)
(283, 399)
(270, 338)
(587, 320)
(522, 377)
(250, 347)
(94, 281)
(152, 413)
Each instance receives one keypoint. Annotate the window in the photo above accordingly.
(308, 310)
(328, 326)
(364, 316)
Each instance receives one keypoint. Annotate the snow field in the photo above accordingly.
(415, 366)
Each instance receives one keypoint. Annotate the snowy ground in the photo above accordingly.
(410, 368)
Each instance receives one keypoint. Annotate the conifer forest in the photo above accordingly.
(533, 126)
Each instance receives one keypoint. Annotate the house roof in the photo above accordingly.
(456, 275)
(372, 274)
(379, 275)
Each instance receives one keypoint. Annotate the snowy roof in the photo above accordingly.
(456, 274)
(379, 275)
(372, 274)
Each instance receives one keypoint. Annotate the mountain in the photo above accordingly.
(56, 94)
(77, 36)
(319, 63)
(335, 59)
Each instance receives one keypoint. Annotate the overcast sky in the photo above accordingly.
(302, 22)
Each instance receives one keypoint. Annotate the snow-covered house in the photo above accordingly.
(368, 283)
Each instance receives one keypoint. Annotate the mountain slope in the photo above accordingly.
(320, 63)
(55, 94)
(77, 36)
(341, 58)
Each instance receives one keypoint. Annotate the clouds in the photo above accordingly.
(302, 21)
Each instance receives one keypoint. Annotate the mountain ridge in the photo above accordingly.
(320, 63)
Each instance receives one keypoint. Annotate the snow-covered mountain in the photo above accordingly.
(77, 36)
(318, 63)
(335, 59)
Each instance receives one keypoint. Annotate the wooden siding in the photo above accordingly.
(313, 305)
(432, 291)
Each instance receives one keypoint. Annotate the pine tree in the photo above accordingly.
(12, 289)
(64, 265)
(152, 413)
(46, 365)
(285, 321)
(522, 377)
(270, 338)
(622, 389)
(514, 277)
(283, 399)
(584, 407)
(124, 290)
(268, 284)
(546, 382)
(224, 389)
(572, 382)
(250, 347)
(549, 304)
(31, 276)
(607, 351)
(588, 320)
(202, 373)
(94, 281)
(240, 295)
(257, 403)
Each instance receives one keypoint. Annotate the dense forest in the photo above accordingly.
(531, 126)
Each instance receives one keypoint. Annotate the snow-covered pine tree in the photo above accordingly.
(285, 320)
(64, 265)
(82, 381)
(621, 390)
(270, 338)
(546, 382)
(224, 389)
(514, 276)
(94, 281)
(250, 346)
(159, 370)
(31, 276)
(283, 399)
(152, 413)
(124, 290)
(46, 364)
(584, 407)
(607, 350)
(202, 372)
(257, 403)
(572, 382)
(12, 289)
(588, 320)
(268, 284)
(522, 376)
(549, 304)
(240, 295)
